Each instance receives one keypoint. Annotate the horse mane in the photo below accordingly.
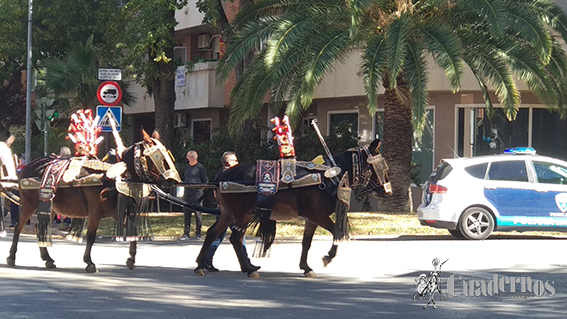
(36, 168)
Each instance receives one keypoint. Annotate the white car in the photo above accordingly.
(472, 197)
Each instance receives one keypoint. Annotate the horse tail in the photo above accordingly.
(266, 232)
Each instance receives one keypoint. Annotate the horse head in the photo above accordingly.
(149, 161)
(369, 170)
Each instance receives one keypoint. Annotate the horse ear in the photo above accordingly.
(146, 137)
(155, 134)
(374, 146)
(10, 140)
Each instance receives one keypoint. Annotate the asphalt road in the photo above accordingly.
(370, 278)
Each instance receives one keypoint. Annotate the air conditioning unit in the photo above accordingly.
(180, 120)
(203, 41)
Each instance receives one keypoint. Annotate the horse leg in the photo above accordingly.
(327, 224)
(245, 265)
(49, 262)
(212, 234)
(132, 259)
(308, 232)
(25, 214)
(91, 236)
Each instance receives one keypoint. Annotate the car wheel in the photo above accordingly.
(476, 223)
(456, 233)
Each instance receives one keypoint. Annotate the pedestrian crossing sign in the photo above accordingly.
(107, 114)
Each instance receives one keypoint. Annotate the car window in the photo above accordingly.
(477, 171)
(549, 173)
(440, 172)
(508, 171)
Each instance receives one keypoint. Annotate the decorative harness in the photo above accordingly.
(157, 154)
(362, 174)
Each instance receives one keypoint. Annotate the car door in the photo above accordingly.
(551, 194)
(509, 190)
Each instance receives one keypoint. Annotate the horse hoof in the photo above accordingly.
(11, 262)
(327, 260)
(50, 264)
(199, 272)
(254, 275)
(434, 307)
(91, 269)
(130, 264)
(310, 274)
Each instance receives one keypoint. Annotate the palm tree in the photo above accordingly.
(302, 40)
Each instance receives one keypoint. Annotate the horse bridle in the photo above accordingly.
(157, 154)
(362, 174)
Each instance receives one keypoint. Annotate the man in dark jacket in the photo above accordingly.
(195, 173)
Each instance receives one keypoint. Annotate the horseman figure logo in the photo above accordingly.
(561, 201)
(427, 286)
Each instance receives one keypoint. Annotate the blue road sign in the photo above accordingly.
(107, 114)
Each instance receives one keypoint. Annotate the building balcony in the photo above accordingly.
(198, 88)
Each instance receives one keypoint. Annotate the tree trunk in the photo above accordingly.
(398, 133)
(164, 99)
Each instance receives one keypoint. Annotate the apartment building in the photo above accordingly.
(457, 124)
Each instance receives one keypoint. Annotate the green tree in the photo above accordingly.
(56, 25)
(145, 47)
(496, 39)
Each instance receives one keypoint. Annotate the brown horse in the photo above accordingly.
(313, 203)
(94, 202)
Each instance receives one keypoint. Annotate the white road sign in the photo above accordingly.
(109, 74)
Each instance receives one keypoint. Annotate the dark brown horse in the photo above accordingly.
(94, 202)
(314, 203)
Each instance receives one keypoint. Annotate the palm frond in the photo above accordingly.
(445, 47)
(326, 52)
(373, 62)
(525, 24)
(526, 65)
(396, 42)
(489, 64)
(485, 95)
(552, 15)
(492, 11)
(415, 71)
(241, 45)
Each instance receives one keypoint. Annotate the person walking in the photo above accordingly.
(228, 160)
(194, 173)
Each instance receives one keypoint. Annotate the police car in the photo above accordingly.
(517, 190)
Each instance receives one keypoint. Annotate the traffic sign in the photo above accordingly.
(109, 93)
(109, 75)
(107, 114)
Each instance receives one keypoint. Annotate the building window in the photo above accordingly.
(201, 130)
(422, 148)
(343, 122)
(180, 55)
(534, 126)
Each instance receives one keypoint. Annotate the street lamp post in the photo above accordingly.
(29, 86)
